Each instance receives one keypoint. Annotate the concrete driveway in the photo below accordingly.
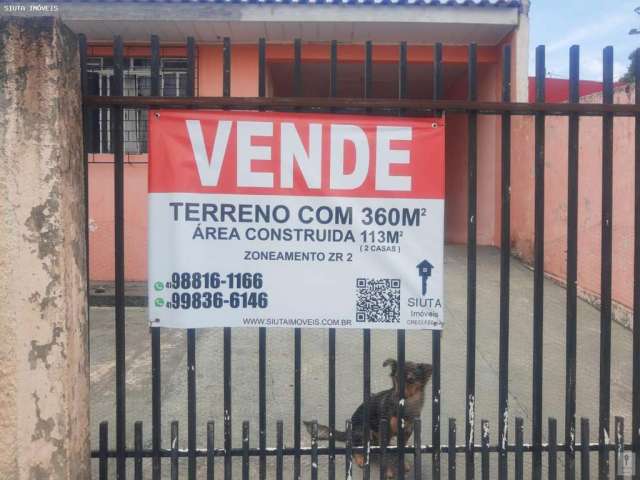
(349, 369)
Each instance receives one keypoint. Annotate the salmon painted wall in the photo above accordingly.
(456, 158)
(101, 222)
(244, 76)
(557, 89)
(489, 78)
(589, 206)
(101, 244)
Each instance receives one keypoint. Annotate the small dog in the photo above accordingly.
(384, 405)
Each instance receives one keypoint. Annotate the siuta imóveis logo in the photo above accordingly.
(424, 272)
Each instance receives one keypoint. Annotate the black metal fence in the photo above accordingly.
(507, 453)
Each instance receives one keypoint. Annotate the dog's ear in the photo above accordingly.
(393, 364)
(428, 370)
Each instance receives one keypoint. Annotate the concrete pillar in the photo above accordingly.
(44, 377)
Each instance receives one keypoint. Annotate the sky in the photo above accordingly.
(592, 24)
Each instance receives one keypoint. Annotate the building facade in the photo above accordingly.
(455, 23)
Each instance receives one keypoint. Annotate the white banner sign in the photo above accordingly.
(295, 220)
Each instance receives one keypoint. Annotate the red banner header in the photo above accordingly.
(268, 153)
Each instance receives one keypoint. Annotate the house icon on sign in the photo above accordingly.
(424, 272)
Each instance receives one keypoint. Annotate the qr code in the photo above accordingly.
(378, 300)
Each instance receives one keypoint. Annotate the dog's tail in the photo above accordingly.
(323, 432)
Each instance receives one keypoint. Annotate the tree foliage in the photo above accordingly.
(629, 77)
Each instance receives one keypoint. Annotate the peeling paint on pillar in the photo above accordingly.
(44, 378)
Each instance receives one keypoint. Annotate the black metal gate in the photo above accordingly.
(507, 449)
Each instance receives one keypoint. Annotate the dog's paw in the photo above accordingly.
(391, 471)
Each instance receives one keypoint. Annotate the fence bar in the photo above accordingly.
(226, 67)
(401, 387)
(227, 404)
(619, 433)
(572, 268)
(472, 155)
(348, 459)
(366, 374)
(262, 399)
(118, 181)
(553, 449)
(228, 466)
(156, 399)
(636, 284)
(191, 332)
(262, 331)
(87, 146)
(175, 473)
(314, 450)
(424, 106)
(191, 67)
(366, 333)
(297, 393)
(452, 449)
(262, 68)
(384, 443)
(333, 71)
(584, 449)
(245, 450)
(438, 86)
(103, 445)
(323, 451)
(538, 270)
(438, 72)
(333, 87)
(368, 70)
(155, 66)
(402, 93)
(137, 466)
(417, 452)
(210, 450)
(505, 227)
(86, 121)
(297, 67)
(402, 74)
(279, 450)
(484, 448)
(332, 403)
(435, 405)
(605, 271)
(519, 448)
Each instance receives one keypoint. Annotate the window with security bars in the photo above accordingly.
(136, 82)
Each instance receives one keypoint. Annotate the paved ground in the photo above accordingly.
(349, 358)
